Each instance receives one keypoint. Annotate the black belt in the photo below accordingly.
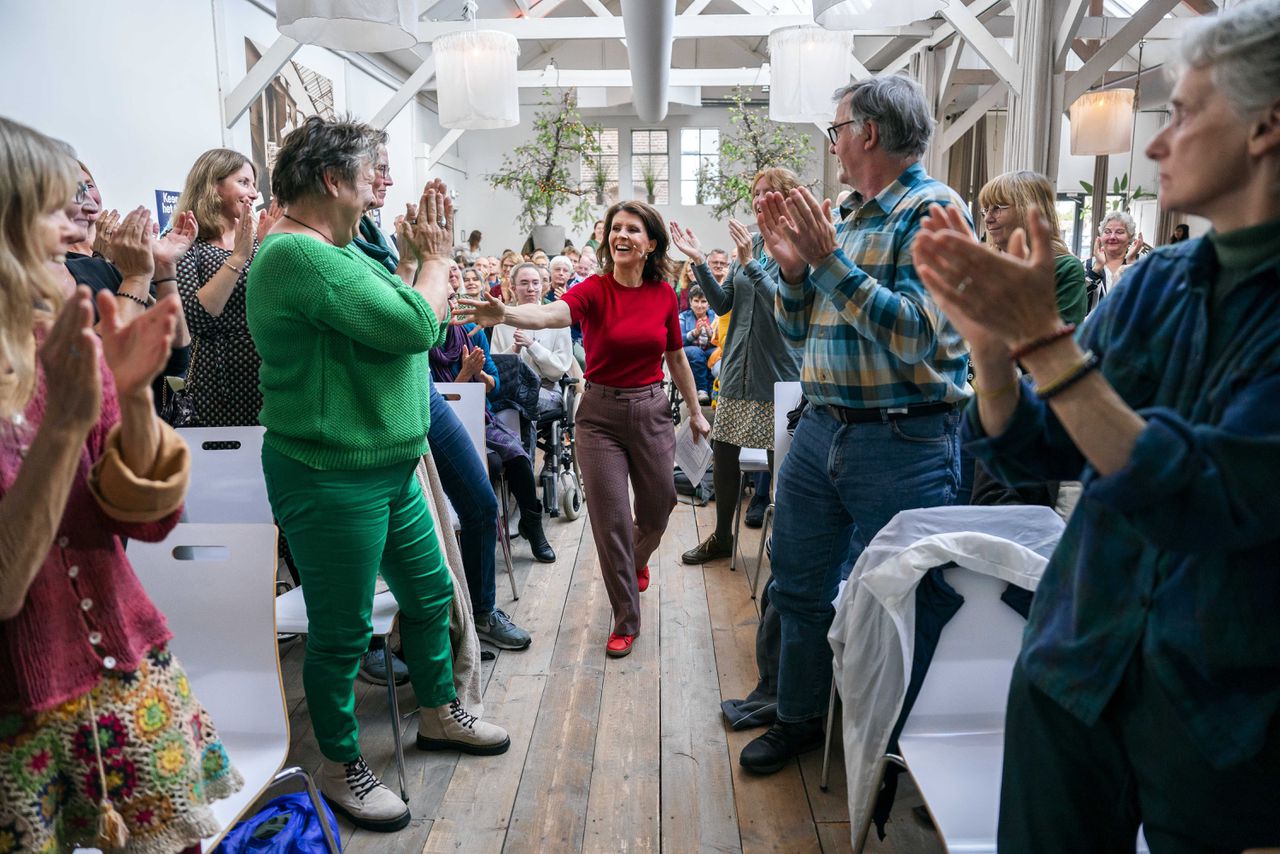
(847, 415)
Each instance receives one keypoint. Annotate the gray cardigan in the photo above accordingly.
(755, 353)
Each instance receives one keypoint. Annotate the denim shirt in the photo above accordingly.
(1176, 555)
(755, 354)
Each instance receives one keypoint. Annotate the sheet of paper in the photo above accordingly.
(692, 457)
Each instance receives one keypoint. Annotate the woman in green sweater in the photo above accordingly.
(345, 389)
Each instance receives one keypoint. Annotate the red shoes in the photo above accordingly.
(642, 575)
(619, 645)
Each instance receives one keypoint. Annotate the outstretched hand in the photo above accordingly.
(486, 310)
(687, 242)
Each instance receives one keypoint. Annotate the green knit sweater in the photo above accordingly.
(345, 378)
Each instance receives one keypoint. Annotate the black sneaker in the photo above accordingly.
(755, 512)
(712, 548)
(780, 744)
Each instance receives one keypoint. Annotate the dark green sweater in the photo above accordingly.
(1240, 254)
(345, 378)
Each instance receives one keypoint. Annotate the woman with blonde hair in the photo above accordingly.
(101, 742)
(220, 190)
(1006, 202)
(754, 356)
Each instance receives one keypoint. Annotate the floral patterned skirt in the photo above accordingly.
(164, 764)
(745, 423)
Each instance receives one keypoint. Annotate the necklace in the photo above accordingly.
(313, 228)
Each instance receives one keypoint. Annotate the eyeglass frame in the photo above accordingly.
(995, 208)
(82, 193)
(833, 131)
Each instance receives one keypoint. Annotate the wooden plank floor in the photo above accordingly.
(606, 754)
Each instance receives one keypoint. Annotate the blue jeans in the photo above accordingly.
(698, 362)
(466, 481)
(838, 486)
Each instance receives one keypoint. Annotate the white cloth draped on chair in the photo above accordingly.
(873, 634)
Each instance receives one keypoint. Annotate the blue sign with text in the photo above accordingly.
(166, 201)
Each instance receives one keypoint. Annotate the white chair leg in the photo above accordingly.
(737, 520)
(764, 538)
(826, 748)
(505, 534)
(395, 719)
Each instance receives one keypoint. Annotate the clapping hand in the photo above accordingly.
(522, 339)
(741, 241)
(103, 230)
(472, 363)
(267, 219)
(485, 310)
(1135, 249)
(129, 245)
(167, 251)
(1099, 256)
(429, 224)
(776, 230)
(242, 249)
(138, 350)
(69, 356)
(687, 242)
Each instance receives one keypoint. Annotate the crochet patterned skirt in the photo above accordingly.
(161, 758)
(745, 423)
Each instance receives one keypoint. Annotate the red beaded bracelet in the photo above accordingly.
(1043, 341)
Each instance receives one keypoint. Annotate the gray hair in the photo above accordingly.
(560, 259)
(717, 252)
(319, 146)
(1110, 216)
(1241, 49)
(898, 106)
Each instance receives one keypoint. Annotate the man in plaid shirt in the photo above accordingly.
(883, 372)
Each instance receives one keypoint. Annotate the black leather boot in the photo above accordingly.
(530, 528)
(782, 742)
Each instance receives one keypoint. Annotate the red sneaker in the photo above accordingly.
(619, 645)
(642, 575)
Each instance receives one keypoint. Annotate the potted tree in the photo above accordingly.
(752, 143)
(538, 172)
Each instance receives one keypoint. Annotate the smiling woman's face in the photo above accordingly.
(629, 241)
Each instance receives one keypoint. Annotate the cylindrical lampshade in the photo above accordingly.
(806, 66)
(476, 79)
(872, 14)
(1102, 122)
(369, 26)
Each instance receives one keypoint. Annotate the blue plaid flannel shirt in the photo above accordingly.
(872, 335)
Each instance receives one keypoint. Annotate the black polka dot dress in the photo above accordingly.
(224, 364)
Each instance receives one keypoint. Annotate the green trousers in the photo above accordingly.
(343, 527)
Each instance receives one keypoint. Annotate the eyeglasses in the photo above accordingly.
(82, 193)
(994, 209)
(382, 169)
(834, 130)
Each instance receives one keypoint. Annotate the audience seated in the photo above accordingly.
(548, 351)
(697, 328)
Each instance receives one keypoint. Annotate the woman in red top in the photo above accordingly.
(629, 323)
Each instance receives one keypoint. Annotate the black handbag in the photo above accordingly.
(178, 409)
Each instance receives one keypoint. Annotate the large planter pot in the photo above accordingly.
(549, 238)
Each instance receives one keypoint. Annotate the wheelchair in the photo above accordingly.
(561, 483)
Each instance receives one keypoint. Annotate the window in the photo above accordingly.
(699, 149)
(650, 165)
(600, 170)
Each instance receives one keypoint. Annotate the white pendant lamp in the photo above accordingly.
(806, 66)
(872, 14)
(1102, 122)
(368, 26)
(476, 79)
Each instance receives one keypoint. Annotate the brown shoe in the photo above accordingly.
(711, 548)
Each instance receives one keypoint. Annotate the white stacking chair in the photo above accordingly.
(786, 397)
(751, 461)
(214, 585)
(226, 475)
(467, 402)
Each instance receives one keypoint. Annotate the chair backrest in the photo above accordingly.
(215, 585)
(227, 485)
(968, 680)
(467, 402)
(786, 396)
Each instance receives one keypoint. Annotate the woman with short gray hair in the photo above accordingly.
(1117, 245)
(345, 384)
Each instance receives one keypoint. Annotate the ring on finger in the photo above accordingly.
(964, 283)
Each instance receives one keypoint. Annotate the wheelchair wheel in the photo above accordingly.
(570, 496)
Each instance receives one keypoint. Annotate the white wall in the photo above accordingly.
(136, 87)
(494, 211)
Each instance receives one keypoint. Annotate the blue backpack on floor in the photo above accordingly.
(286, 825)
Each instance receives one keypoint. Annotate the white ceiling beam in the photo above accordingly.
(1162, 28)
(752, 7)
(546, 7)
(686, 27)
(409, 89)
(258, 78)
(984, 44)
(446, 142)
(1117, 46)
(523, 6)
(986, 101)
(945, 93)
(1067, 32)
(621, 77)
(597, 8)
(939, 35)
(696, 7)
